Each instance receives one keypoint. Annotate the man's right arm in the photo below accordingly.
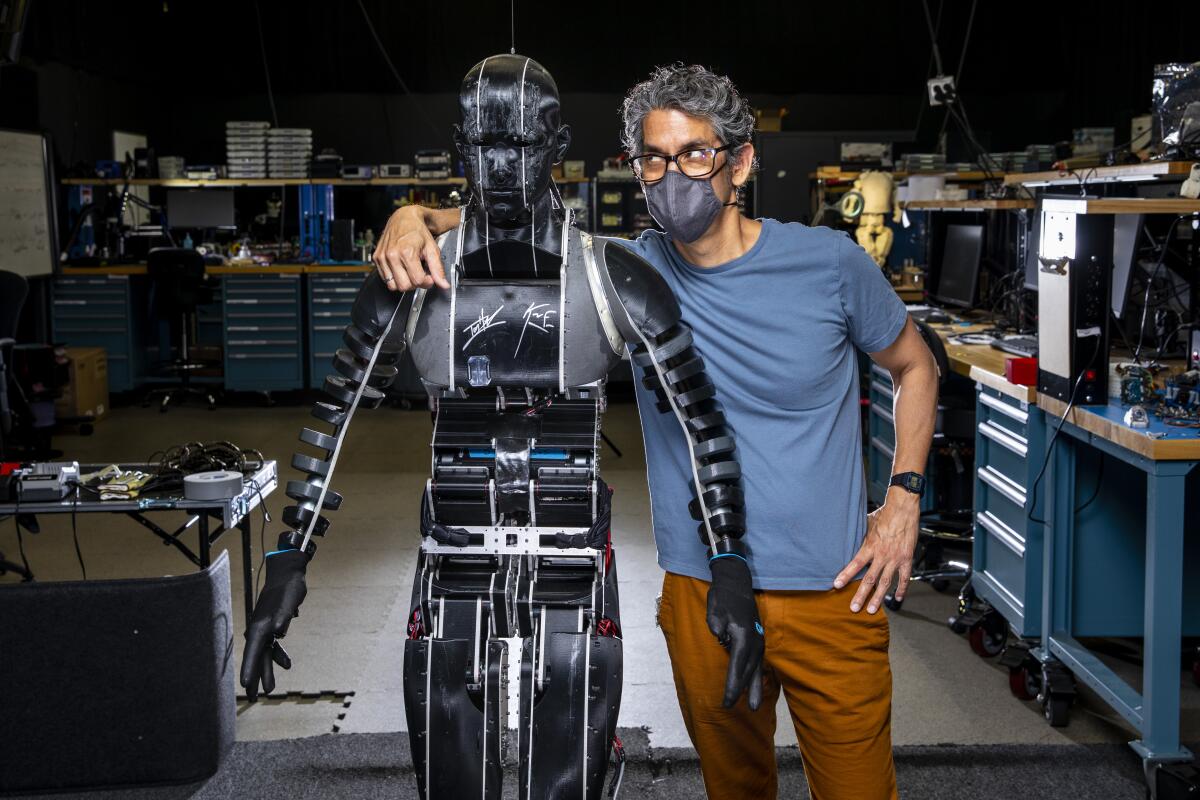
(407, 255)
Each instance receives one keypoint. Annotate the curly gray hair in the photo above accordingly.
(694, 90)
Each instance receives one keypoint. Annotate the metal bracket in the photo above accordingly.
(1057, 266)
(511, 541)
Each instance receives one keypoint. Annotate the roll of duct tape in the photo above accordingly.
(217, 485)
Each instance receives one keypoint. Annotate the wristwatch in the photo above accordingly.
(910, 481)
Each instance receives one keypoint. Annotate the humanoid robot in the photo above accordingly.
(878, 192)
(515, 516)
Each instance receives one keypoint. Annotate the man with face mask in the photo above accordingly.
(778, 311)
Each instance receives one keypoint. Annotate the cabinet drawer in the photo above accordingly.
(1004, 555)
(1002, 411)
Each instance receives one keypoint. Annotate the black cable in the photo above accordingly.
(21, 536)
(929, 66)
(395, 72)
(963, 55)
(262, 49)
(1057, 429)
(75, 530)
(937, 54)
(1150, 283)
(1099, 483)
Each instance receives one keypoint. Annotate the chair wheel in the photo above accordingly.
(86, 429)
(1057, 711)
(892, 602)
(1024, 683)
(940, 584)
(986, 640)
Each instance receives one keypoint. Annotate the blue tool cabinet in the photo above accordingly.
(103, 311)
(1007, 556)
(330, 297)
(263, 347)
(881, 438)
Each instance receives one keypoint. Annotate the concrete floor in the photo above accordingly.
(350, 633)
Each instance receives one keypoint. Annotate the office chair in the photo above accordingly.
(178, 285)
(949, 524)
(13, 291)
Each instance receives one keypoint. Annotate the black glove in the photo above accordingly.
(733, 619)
(277, 605)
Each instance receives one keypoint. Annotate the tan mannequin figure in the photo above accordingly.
(879, 199)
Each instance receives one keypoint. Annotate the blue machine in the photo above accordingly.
(316, 216)
(84, 243)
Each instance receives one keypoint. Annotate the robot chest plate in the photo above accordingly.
(506, 334)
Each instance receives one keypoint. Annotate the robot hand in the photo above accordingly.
(733, 619)
(277, 605)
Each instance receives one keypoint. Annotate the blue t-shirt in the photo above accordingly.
(777, 328)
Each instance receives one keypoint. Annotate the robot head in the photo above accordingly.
(510, 134)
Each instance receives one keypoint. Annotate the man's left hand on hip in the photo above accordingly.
(887, 550)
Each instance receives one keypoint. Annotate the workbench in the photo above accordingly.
(1166, 457)
(229, 513)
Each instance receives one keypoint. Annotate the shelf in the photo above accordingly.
(1124, 205)
(966, 205)
(226, 269)
(1146, 171)
(839, 177)
(228, 183)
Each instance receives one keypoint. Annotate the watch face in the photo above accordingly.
(914, 482)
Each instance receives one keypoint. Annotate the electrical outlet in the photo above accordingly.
(941, 90)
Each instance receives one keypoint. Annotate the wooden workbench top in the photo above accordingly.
(1124, 205)
(966, 205)
(1146, 171)
(982, 363)
(1179, 444)
(226, 269)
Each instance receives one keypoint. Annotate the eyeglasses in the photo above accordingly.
(652, 167)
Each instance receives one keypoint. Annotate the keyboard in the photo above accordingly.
(1024, 346)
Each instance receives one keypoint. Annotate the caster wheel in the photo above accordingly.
(956, 625)
(1056, 711)
(986, 640)
(1024, 683)
(162, 409)
(940, 585)
(890, 600)
(86, 429)
(966, 598)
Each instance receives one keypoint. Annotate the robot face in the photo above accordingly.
(510, 135)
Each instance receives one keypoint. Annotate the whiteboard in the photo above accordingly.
(27, 225)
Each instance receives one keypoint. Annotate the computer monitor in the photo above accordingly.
(200, 208)
(1033, 237)
(1126, 232)
(959, 274)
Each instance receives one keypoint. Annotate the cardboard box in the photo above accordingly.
(86, 392)
(769, 119)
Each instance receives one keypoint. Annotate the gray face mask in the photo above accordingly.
(684, 206)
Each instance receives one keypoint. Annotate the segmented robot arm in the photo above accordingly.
(648, 316)
(365, 367)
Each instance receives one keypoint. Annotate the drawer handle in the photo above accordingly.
(883, 414)
(1002, 484)
(996, 527)
(1004, 408)
(277, 356)
(1004, 438)
(883, 389)
(882, 447)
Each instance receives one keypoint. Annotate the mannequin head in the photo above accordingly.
(510, 135)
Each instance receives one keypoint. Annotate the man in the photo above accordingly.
(777, 311)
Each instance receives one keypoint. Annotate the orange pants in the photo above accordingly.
(832, 666)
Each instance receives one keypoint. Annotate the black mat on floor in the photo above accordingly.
(378, 766)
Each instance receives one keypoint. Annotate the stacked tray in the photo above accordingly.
(288, 152)
(246, 148)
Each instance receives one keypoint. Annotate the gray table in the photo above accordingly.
(233, 512)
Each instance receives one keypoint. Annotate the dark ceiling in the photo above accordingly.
(767, 46)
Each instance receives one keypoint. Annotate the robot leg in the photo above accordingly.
(570, 689)
(455, 682)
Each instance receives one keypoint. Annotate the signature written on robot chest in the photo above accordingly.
(536, 317)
